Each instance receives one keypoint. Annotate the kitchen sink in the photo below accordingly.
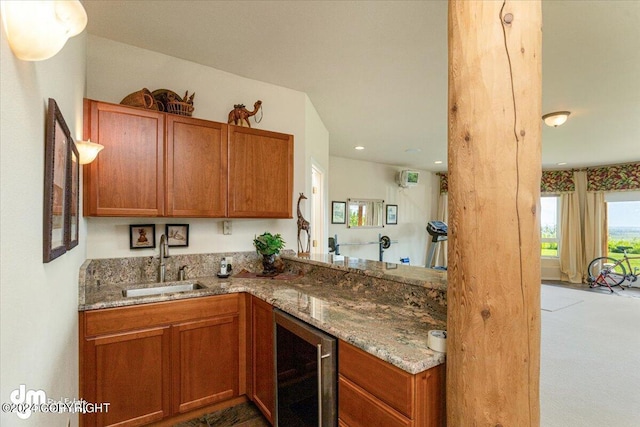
(159, 290)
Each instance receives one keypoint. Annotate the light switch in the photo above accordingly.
(226, 227)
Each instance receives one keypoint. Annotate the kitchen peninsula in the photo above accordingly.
(380, 312)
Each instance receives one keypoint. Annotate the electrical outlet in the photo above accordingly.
(226, 227)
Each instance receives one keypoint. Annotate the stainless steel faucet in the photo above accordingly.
(164, 253)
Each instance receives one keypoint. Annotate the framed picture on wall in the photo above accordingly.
(177, 234)
(338, 212)
(142, 236)
(392, 214)
(57, 188)
(73, 222)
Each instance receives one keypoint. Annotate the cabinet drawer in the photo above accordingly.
(110, 320)
(391, 385)
(357, 408)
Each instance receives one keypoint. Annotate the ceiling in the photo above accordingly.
(376, 71)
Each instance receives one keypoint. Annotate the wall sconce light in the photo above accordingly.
(37, 30)
(555, 119)
(88, 151)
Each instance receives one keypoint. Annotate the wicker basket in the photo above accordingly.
(180, 108)
(141, 99)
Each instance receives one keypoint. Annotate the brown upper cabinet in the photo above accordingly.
(196, 168)
(127, 178)
(260, 173)
(159, 164)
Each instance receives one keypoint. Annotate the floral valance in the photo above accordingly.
(444, 182)
(604, 178)
(552, 182)
(614, 178)
(557, 182)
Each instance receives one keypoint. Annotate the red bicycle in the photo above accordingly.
(609, 272)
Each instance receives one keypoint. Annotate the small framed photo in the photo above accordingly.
(142, 236)
(392, 214)
(177, 234)
(338, 210)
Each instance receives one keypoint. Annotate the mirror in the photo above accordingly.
(57, 184)
(365, 213)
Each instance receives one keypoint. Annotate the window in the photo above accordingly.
(623, 219)
(549, 225)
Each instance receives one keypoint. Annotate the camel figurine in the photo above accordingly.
(303, 224)
(239, 116)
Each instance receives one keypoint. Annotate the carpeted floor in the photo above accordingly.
(590, 354)
(626, 291)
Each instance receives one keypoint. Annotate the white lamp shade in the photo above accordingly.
(88, 151)
(556, 119)
(37, 30)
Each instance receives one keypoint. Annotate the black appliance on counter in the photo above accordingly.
(306, 374)
(438, 231)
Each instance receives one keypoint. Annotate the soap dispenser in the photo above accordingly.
(182, 273)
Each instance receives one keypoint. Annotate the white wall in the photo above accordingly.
(114, 70)
(317, 138)
(416, 206)
(39, 315)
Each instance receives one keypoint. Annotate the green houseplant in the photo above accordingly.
(268, 245)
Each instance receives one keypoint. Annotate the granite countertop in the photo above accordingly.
(417, 276)
(377, 324)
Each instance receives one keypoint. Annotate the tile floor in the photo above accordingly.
(243, 415)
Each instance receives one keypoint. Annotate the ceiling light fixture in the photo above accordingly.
(438, 162)
(562, 163)
(359, 147)
(88, 151)
(37, 30)
(556, 118)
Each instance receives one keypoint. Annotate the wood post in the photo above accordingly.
(493, 359)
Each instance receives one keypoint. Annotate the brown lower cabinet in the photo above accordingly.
(262, 362)
(375, 393)
(204, 362)
(157, 361)
(154, 361)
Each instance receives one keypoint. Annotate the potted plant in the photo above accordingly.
(268, 245)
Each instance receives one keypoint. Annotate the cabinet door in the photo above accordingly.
(358, 408)
(260, 173)
(126, 179)
(130, 371)
(196, 168)
(205, 362)
(262, 357)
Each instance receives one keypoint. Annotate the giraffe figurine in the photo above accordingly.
(303, 224)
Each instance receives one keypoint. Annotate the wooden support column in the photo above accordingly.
(493, 359)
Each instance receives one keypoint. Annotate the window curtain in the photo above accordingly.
(570, 248)
(583, 229)
(595, 227)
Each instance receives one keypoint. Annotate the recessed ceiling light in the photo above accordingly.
(438, 162)
(562, 163)
(359, 147)
(412, 150)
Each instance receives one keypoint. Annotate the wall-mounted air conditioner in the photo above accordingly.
(407, 178)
